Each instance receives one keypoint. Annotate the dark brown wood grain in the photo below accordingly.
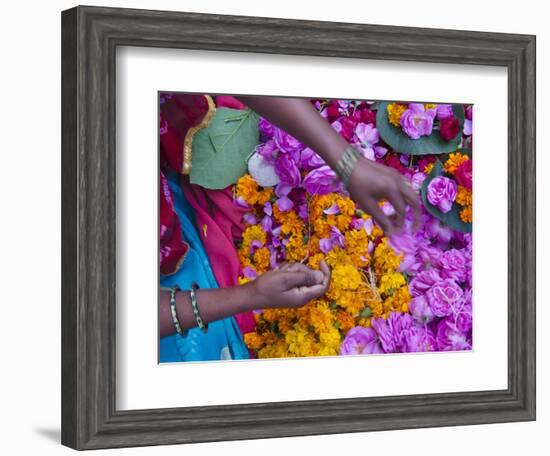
(89, 39)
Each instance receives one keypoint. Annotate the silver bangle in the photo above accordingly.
(200, 322)
(182, 332)
(347, 162)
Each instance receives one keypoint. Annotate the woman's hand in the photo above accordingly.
(292, 285)
(370, 182)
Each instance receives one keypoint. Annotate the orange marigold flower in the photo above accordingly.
(466, 214)
(464, 196)
(454, 161)
(253, 340)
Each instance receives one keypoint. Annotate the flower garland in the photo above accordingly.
(411, 292)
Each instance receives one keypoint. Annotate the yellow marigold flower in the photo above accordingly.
(314, 260)
(395, 111)
(253, 233)
(429, 105)
(385, 258)
(466, 214)
(331, 338)
(247, 188)
(397, 302)
(428, 168)
(346, 277)
(261, 259)
(253, 340)
(463, 196)
(243, 280)
(391, 282)
(327, 351)
(454, 161)
(337, 256)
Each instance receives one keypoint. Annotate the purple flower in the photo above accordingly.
(309, 159)
(442, 193)
(368, 138)
(268, 209)
(265, 127)
(444, 297)
(268, 151)
(423, 281)
(360, 341)
(436, 230)
(455, 265)
(332, 210)
(255, 245)
(417, 180)
(250, 219)
(250, 273)
(390, 331)
(337, 237)
(320, 181)
(421, 310)
(418, 339)
(325, 244)
(284, 203)
(285, 142)
(286, 169)
(467, 127)
(417, 121)
(464, 315)
(444, 111)
(267, 223)
(449, 337)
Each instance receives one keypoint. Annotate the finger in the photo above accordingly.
(326, 271)
(310, 293)
(398, 202)
(382, 219)
(413, 200)
(302, 278)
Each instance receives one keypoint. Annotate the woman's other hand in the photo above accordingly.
(292, 285)
(371, 182)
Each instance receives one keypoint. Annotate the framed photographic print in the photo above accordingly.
(280, 228)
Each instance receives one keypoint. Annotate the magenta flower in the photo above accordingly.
(417, 121)
(285, 142)
(320, 181)
(250, 273)
(444, 298)
(361, 341)
(368, 138)
(265, 127)
(310, 159)
(286, 169)
(442, 193)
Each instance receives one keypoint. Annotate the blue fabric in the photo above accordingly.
(223, 340)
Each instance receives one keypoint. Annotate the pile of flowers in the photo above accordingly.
(408, 293)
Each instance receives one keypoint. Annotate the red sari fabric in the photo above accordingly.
(218, 219)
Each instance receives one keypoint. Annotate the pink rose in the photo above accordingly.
(417, 121)
(444, 297)
(442, 193)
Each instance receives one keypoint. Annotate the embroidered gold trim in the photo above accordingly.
(188, 141)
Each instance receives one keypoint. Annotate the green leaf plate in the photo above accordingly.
(432, 144)
(221, 150)
(451, 218)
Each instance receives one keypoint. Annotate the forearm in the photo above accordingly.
(300, 119)
(214, 304)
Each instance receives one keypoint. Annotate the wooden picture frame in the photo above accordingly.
(90, 37)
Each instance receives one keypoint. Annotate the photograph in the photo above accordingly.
(313, 227)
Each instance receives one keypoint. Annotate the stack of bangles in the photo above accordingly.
(347, 162)
(193, 295)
